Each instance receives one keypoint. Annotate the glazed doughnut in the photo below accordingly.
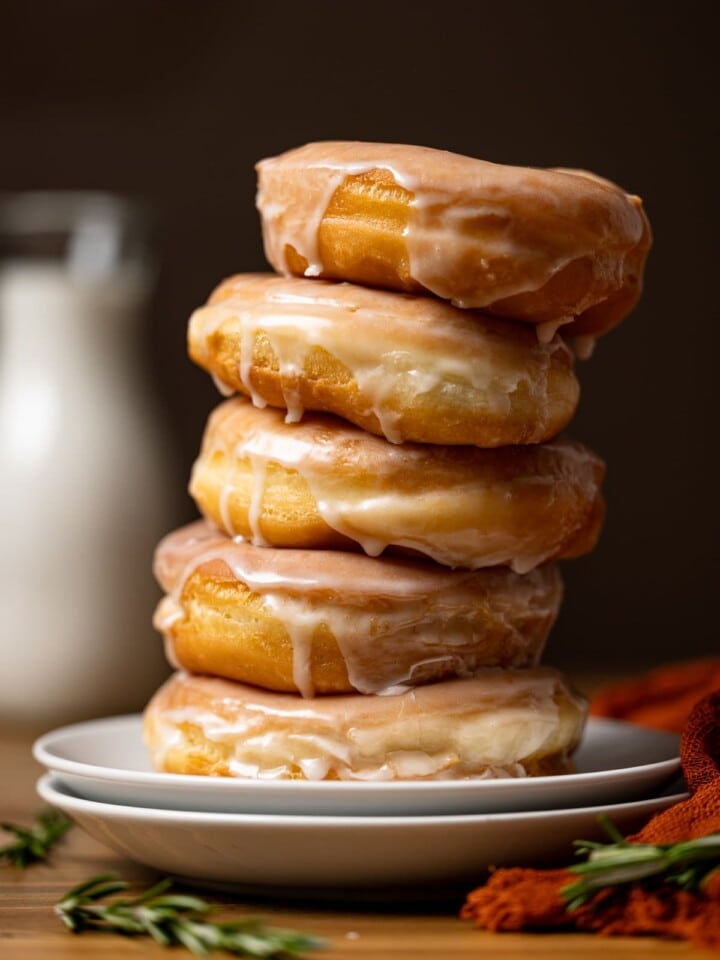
(544, 246)
(325, 484)
(315, 621)
(502, 723)
(408, 368)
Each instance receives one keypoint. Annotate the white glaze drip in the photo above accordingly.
(293, 403)
(224, 498)
(546, 331)
(360, 487)
(393, 621)
(246, 359)
(300, 623)
(305, 230)
(259, 471)
(584, 346)
(527, 224)
(168, 613)
(222, 387)
(482, 727)
(398, 348)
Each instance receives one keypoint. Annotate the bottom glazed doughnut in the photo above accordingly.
(501, 723)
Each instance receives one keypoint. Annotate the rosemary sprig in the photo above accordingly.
(174, 920)
(34, 843)
(689, 864)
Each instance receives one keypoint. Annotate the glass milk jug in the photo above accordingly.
(83, 468)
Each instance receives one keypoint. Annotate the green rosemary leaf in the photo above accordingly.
(686, 865)
(574, 898)
(585, 846)
(611, 830)
(87, 885)
(175, 920)
(33, 844)
(178, 901)
(188, 939)
(701, 849)
(152, 893)
(687, 879)
(158, 934)
(623, 857)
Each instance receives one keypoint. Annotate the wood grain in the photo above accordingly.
(30, 931)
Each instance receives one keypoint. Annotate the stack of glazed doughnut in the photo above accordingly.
(385, 494)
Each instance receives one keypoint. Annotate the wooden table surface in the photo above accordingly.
(30, 931)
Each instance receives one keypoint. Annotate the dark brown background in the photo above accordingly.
(175, 101)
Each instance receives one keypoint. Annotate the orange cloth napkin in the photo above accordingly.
(520, 898)
(664, 698)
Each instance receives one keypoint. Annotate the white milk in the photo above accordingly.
(83, 481)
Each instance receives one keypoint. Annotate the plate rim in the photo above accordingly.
(79, 768)
(46, 788)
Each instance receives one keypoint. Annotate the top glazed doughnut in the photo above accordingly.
(549, 247)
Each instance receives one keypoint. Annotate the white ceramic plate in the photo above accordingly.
(271, 853)
(105, 760)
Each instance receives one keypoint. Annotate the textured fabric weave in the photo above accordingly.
(664, 698)
(526, 899)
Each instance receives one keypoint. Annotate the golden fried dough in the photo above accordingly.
(405, 367)
(501, 723)
(315, 621)
(544, 246)
(325, 484)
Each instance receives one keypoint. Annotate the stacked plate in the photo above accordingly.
(342, 838)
